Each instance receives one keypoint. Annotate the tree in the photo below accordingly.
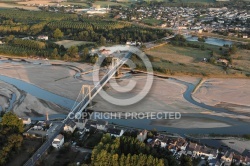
(233, 49)
(11, 123)
(65, 57)
(57, 33)
(186, 161)
(54, 54)
(9, 38)
(102, 40)
(201, 39)
(73, 51)
(85, 53)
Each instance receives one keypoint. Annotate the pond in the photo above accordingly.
(210, 40)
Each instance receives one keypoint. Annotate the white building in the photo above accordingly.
(43, 37)
(58, 141)
(115, 132)
(70, 126)
(26, 121)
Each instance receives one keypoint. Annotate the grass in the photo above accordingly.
(152, 21)
(69, 43)
(76, 4)
(187, 60)
(105, 3)
(12, 5)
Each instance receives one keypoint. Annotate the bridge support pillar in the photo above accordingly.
(115, 61)
(86, 90)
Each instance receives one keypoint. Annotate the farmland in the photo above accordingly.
(69, 43)
(187, 60)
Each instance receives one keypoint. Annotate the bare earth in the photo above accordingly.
(165, 95)
(230, 93)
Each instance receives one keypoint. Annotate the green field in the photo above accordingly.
(152, 22)
(186, 60)
(69, 43)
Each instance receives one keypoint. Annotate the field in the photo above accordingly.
(187, 60)
(152, 22)
(69, 43)
(36, 2)
(105, 4)
(13, 5)
(76, 4)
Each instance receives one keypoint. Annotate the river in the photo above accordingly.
(237, 127)
(38, 92)
(210, 40)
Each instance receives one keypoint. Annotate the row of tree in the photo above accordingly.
(11, 128)
(129, 151)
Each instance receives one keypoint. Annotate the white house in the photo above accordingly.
(70, 126)
(43, 37)
(245, 36)
(115, 132)
(58, 141)
(26, 121)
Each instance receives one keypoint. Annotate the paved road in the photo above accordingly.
(79, 108)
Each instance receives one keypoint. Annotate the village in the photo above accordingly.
(76, 132)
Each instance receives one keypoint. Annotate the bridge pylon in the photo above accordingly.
(114, 62)
(86, 90)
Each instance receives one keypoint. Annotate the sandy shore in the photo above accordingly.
(166, 95)
(26, 104)
(56, 79)
(229, 93)
(191, 122)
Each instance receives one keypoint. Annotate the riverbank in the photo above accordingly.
(26, 105)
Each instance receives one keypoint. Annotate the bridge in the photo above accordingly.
(81, 106)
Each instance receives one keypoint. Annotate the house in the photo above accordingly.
(58, 141)
(70, 126)
(80, 123)
(227, 158)
(43, 37)
(223, 61)
(246, 161)
(114, 132)
(198, 150)
(104, 52)
(90, 125)
(245, 36)
(101, 125)
(142, 135)
(26, 121)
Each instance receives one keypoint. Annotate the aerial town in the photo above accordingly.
(125, 82)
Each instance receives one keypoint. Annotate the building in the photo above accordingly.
(58, 141)
(142, 135)
(26, 121)
(245, 36)
(114, 132)
(199, 150)
(227, 158)
(90, 125)
(80, 123)
(43, 37)
(70, 126)
(101, 125)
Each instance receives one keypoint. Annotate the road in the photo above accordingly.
(79, 108)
